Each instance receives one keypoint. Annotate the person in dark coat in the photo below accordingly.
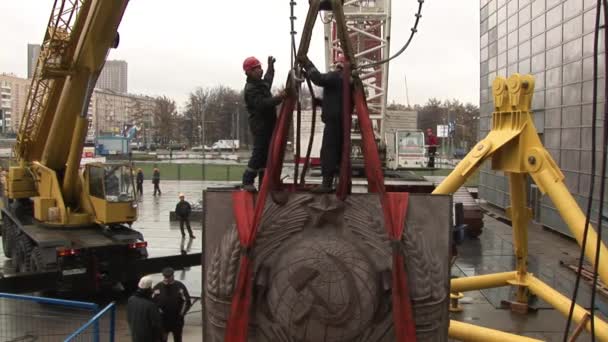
(331, 115)
(143, 315)
(173, 299)
(182, 211)
(261, 106)
(156, 181)
(140, 182)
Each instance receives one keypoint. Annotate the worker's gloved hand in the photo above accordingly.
(271, 61)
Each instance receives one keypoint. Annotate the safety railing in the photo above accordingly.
(31, 318)
(99, 328)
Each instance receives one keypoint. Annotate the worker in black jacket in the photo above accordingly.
(140, 182)
(331, 115)
(182, 211)
(173, 299)
(156, 181)
(143, 315)
(261, 106)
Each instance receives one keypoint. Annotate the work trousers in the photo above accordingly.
(259, 155)
(331, 148)
(186, 221)
(140, 189)
(176, 332)
(156, 188)
(432, 151)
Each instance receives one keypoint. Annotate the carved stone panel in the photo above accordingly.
(322, 268)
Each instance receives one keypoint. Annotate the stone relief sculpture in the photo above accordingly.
(323, 273)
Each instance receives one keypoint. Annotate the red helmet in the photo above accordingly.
(250, 63)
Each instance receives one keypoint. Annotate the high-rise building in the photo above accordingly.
(553, 41)
(33, 51)
(114, 77)
(13, 95)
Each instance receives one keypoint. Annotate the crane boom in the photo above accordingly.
(78, 38)
(55, 54)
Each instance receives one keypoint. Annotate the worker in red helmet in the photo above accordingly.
(331, 115)
(261, 105)
(432, 142)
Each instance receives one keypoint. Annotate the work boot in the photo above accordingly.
(325, 187)
(249, 187)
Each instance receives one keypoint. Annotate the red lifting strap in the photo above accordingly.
(394, 205)
(248, 219)
(344, 185)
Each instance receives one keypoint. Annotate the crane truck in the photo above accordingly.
(60, 217)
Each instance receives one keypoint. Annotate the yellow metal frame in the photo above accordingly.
(514, 147)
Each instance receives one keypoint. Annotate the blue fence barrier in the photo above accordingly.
(31, 318)
(93, 329)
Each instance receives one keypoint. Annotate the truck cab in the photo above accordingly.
(405, 149)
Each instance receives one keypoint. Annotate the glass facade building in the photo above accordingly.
(553, 41)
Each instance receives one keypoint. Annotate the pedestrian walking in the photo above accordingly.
(182, 211)
(261, 106)
(143, 315)
(140, 182)
(173, 299)
(156, 181)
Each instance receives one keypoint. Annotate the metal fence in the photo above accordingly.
(99, 328)
(30, 318)
(178, 171)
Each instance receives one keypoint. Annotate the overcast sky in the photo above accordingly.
(174, 46)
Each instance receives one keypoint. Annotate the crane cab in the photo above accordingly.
(111, 192)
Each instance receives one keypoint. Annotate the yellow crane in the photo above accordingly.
(56, 216)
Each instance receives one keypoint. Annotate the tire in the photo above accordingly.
(36, 262)
(9, 237)
(21, 254)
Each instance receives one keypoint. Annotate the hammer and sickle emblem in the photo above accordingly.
(301, 280)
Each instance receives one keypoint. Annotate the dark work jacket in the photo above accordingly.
(183, 209)
(331, 109)
(173, 301)
(261, 105)
(140, 177)
(144, 318)
(156, 177)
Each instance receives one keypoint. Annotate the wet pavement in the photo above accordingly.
(492, 252)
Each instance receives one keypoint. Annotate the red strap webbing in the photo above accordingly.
(248, 219)
(394, 206)
(344, 184)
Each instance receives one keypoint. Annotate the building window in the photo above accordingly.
(524, 32)
(573, 28)
(524, 50)
(554, 36)
(538, 7)
(573, 50)
(538, 62)
(538, 44)
(538, 25)
(512, 24)
(524, 15)
(554, 77)
(554, 16)
(572, 8)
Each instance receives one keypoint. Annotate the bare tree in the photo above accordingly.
(165, 120)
